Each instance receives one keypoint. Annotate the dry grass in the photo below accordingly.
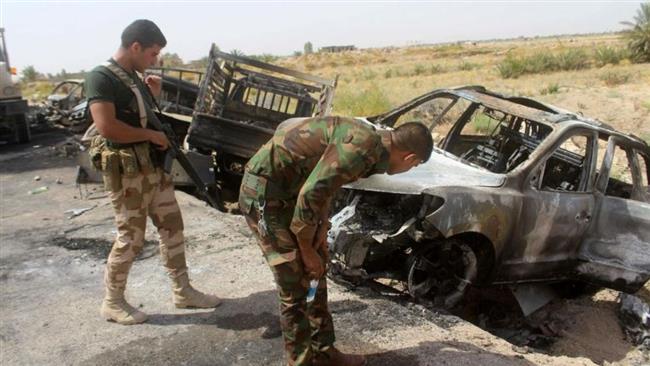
(399, 74)
(615, 78)
(36, 91)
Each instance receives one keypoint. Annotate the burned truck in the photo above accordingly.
(516, 193)
(239, 106)
(180, 88)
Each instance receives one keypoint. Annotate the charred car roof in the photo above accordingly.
(524, 107)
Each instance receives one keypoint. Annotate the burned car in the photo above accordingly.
(67, 105)
(516, 192)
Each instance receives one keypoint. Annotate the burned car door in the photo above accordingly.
(557, 207)
(616, 251)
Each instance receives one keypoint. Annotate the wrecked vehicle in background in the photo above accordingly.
(14, 125)
(239, 106)
(516, 193)
(180, 87)
(67, 105)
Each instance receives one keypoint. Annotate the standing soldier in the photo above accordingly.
(132, 170)
(285, 196)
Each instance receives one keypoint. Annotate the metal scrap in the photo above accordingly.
(77, 211)
(634, 315)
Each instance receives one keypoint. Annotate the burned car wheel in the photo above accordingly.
(23, 134)
(441, 272)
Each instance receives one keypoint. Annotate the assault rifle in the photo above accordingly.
(175, 152)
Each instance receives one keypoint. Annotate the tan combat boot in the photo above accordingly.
(334, 357)
(186, 296)
(115, 308)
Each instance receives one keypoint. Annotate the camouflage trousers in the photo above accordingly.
(145, 195)
(306, 328)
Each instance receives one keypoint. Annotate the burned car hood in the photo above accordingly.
(442, 170)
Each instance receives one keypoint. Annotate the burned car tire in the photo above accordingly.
(441, 272)
(23, 135)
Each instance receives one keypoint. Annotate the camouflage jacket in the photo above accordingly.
(308, 159)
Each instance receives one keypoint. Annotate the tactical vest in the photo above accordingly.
(122, 160)
(128, 81)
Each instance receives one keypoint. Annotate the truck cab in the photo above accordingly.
(13, 108)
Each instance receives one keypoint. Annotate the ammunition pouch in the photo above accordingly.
(142, 152)
(97, 145)
(117, 163)
(264, 189)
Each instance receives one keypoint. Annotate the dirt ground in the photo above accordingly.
(51, 267)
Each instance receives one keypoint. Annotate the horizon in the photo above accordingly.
(281, 28)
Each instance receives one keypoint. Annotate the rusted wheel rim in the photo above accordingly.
(441, 273)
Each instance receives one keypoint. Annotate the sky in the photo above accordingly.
(77, 35)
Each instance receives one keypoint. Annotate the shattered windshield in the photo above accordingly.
(478, 135)
(496, 140)
(438, 114)
(65, 88)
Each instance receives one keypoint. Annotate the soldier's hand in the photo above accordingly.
(314, 266)
(154, 82)
(159, 139)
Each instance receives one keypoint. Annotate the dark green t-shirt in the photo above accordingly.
(102, 85)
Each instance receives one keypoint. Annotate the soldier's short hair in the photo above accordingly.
(144, 32)
(414, 137)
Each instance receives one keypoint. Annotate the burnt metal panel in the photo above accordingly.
(442, 169)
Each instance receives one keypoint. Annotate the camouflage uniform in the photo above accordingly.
(145, 195)
(285, 195)
(138, 188)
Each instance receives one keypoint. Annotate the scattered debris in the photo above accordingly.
(68, 148)
(520, 350)
(37, 178)
(634, 315)
(96, 196)
(59, 181)
(532, 296)
(77, 211)
(38, 190)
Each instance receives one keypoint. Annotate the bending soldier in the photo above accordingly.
(132, 171)
(285, 196)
